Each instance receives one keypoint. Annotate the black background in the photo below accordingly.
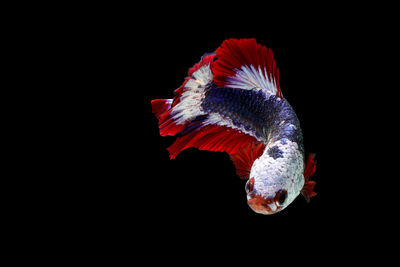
(199, 193)
(201, 185)
(133, 194)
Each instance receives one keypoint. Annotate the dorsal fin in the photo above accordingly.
(244, 64)
(245, 157)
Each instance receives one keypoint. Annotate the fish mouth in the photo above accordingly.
(263, 205)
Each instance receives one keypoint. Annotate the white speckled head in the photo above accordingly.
(275, 181)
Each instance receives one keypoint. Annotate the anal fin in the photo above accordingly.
(212, 138)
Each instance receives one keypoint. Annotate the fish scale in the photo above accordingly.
(232, 102)
(253, 111)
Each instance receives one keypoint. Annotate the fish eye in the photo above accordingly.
(281, 197)
(249, 185)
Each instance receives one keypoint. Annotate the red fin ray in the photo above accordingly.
(164, 108)
(309, 170)
(211, 138)
(178, 92)
(233, 54)
(160, 106)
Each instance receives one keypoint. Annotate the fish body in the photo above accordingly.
(231, 101)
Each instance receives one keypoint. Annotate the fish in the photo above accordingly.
(231, 101)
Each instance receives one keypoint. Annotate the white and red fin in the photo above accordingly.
(245, 157)
(183, 117)
(160, 106)
(309, 170)
(244, 64)
(172, 114)
(162, 109)
(206, 60)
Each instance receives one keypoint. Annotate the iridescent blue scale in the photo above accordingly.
(265, 116)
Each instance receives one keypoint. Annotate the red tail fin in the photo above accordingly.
(174, 118)
(162, 109)
(160, 106)
(185, 117)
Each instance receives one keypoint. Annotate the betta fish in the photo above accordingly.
(232, 102)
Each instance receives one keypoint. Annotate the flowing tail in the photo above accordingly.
(183, 116)
(239, 66)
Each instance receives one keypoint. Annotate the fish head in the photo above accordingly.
(271, 187)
